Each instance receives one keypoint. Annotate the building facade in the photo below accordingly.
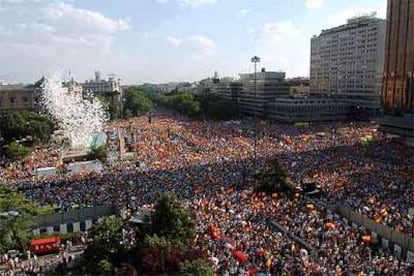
(307, 109)
(347, 62)
(109, 89)
(299, 87)
(17, 97)
(100, 86)
(398, 81)
(74, 88)
(398, 85)
(259, 90)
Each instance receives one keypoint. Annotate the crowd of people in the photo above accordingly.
(209, 165)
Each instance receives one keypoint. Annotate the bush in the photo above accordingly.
(16, 151)
(99, 153)
(196, 267)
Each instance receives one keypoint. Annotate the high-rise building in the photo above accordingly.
(398, 86)
(259, 90)
(398, 82)
(347, 62)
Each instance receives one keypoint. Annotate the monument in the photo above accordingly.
(80, 119)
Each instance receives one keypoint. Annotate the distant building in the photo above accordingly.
(99, 86)
(299, 87)
(260, 89)
(74, 87)
(347, 62)
(398, 81)
(17, 97)
(307, 109)
(109, 89)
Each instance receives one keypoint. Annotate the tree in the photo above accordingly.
(215, 107)
(104, 267)
(23, 124)
(16, 218)
(197, 267)
(99, 153)
(172, 221)
(128, 114)
(274, 179)
(105, 245)
(111, 102)
(159, 255)
(137, 102)
(16, 151)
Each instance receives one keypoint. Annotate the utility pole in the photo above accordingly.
(255, 60)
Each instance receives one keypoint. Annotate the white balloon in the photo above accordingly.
(78, 119)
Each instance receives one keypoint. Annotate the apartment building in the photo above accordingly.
(347, 62)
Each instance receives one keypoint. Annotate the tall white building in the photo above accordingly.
(347, 62)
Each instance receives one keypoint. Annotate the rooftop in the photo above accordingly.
(353, 23)
(15, 87)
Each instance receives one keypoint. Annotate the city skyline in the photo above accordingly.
(162, 41)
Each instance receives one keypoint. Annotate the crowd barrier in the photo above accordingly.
(71, 221)
(400, 243)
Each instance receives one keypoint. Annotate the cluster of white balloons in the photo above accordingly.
(79, 119)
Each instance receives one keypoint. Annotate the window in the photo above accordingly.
(83, 226)
(70, 227)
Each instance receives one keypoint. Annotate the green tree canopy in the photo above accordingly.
(183, 102)
(173, 221)
(16, 151)
(136, 102)
(216, 108)
(197, 267)
(274, 179)
(106, 244)
(16, 218)
(21, 124)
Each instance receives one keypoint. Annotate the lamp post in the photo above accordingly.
(255, 60)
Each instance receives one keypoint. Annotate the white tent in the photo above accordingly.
(88, 166)
(48, 171)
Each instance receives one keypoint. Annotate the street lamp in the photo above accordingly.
(255, 60)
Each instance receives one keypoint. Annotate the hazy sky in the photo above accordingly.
(164, 40)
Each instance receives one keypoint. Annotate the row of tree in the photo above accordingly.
(164, 243)
(184, 103)
(206, 105)
(138, 102)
